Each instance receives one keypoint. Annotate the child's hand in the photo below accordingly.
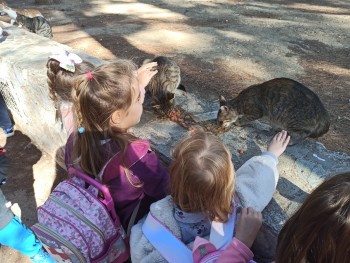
(145, 73)
(248, 226)
(279, 143)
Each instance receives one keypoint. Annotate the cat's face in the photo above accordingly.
(20, 20)
(226, 115)
(165, 105)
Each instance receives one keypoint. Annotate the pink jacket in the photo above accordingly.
(236, 252)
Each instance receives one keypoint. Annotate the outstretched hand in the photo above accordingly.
(145, 73)
(279, 143)
(248, 226)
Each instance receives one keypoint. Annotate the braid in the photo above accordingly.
(52, 69)
(60, 81)
(75, 97)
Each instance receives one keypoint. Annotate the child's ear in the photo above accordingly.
(116, 117)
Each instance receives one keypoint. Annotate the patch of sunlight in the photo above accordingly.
(139, 10)
(65, 29)
(175, 40)
(341, 21)
(318, 8)
(247, 66)
(236, 35)
(333, 69)
(44, 175)
(66, 37)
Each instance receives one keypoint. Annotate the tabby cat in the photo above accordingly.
(29, 19)
(163, 85)
(284, 102)
(38, 25)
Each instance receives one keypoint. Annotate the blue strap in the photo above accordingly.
(171, 248)
(221, 234)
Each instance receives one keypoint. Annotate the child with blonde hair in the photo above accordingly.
(109, 102)
(62, 69)
(205, 194)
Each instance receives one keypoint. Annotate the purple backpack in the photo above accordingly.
(79, 223)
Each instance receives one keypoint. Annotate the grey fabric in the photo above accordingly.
(3, 167)
(5, 213)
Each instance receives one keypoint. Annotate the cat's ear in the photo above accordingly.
(222, 101)
(182, 87)
(170, 96)
(224, 109)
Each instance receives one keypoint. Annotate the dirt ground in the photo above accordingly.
(221, 47)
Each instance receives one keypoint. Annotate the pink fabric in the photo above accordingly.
(201, 244)
(236, 252)
(67, 118)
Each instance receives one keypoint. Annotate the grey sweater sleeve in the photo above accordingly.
(256, 181)
(5, 213)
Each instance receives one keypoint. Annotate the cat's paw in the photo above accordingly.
(239, 123)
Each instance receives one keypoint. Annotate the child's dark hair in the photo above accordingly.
(202, 177)
(97, 95)
(319, 232)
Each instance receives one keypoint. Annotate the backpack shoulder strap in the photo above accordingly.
(221, 233)
(171, 248)
(174, 250)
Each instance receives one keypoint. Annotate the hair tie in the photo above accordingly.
(81, 130)
(89, 75)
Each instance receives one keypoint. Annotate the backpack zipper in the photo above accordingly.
(48, 231)
(82, 218)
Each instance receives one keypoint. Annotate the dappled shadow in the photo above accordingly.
(19, 188)
(315, 3)
(290, 191)
(224, 47)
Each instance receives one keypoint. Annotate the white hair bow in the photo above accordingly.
(67, 60)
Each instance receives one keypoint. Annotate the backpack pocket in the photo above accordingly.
(59, 248)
